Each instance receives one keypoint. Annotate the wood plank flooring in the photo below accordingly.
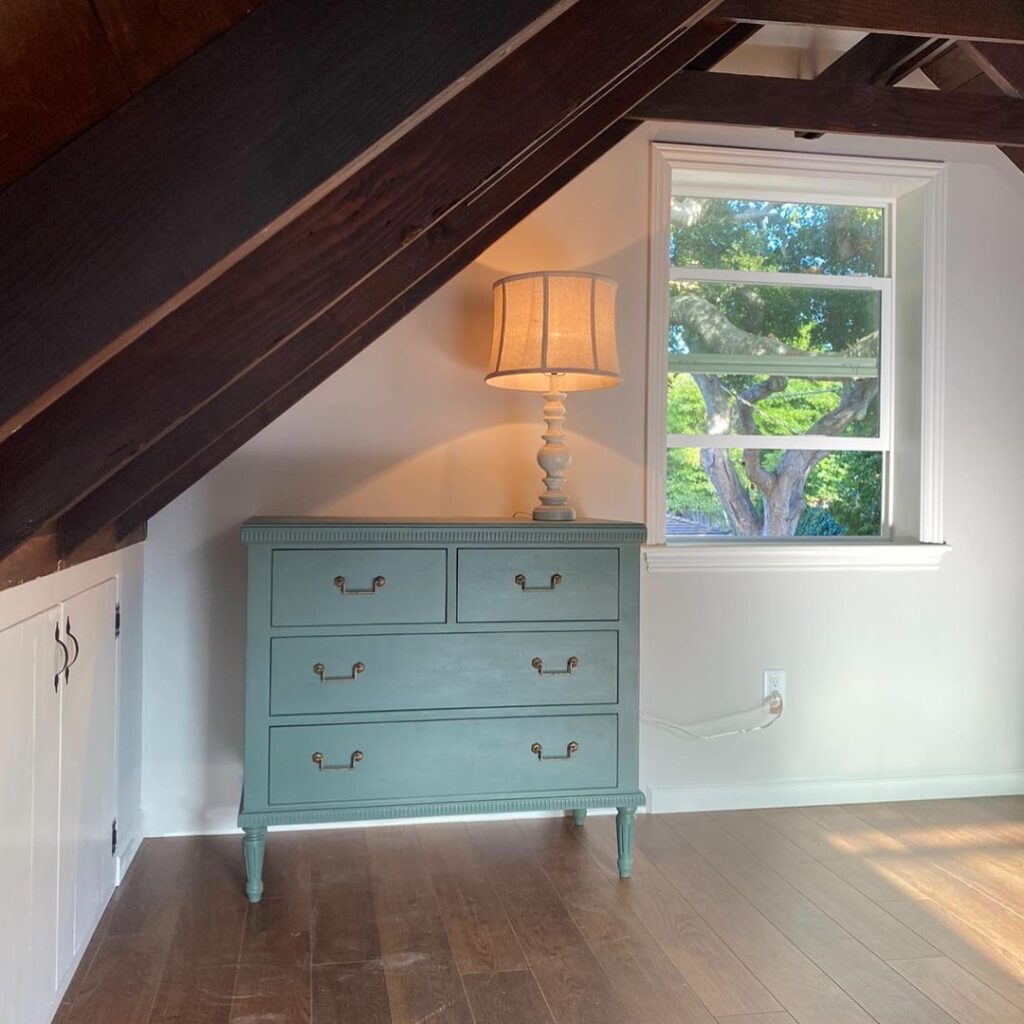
(909, 913)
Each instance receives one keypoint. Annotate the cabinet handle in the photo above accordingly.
(320, 669)
(556, 578)
(318, 760)
(378, 582)
(572, 663)
(570, 749)
(74, 639)
(64, 647)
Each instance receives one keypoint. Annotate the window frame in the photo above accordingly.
(718, 172)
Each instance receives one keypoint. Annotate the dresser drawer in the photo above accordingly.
(331, 674)
(538, 584)
(441, 760)
(358, 586)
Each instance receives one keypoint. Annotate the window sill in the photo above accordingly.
(810, 556)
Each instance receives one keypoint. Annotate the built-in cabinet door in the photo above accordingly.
(15, 815)
(48, 659)
(87, 769)
(29, 764)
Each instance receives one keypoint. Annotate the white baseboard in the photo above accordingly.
(814, 792)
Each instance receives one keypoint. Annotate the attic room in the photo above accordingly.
(504, 512)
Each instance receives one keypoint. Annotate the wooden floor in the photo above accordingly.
(894, 913)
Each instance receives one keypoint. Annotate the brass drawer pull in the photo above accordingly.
(320, 669)
(570, 749)
(378, 582)
(318, 760)
(572, 663)
(556, 578)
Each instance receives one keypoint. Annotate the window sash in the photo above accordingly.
(770, 442)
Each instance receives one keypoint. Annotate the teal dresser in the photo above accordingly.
(417, 667)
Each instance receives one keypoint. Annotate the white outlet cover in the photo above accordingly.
(775, 682)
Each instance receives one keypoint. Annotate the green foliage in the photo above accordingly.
(807, 238)
(843, 492)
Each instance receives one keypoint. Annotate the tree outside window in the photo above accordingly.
(777, 398)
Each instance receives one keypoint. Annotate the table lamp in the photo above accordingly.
(554, 332)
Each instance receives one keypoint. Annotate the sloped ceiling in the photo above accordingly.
(213, 204)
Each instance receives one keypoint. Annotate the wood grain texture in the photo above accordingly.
(886, 937)
(118, 222)
(724, 982)
(578, 991)
(993, 19)
(172, 464)
(422, 979)
(479, 929)
(150, 39)
(141, 967)
(541, 920)
(959, 993)
(800, 985)
(510, 997)
(354, 993)
(648, 984)
(864, 976)
(880, 59)
(426, 179)
(58, 76)
(841, 107)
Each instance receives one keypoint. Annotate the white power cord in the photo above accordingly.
(729, 725)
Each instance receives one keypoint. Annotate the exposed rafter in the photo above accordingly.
(879, 60)
(178, 460)
(995, 20)
(361, 245)
(137, 214)
(836, 107)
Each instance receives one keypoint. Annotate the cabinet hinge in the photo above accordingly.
(113, 837)
(117, 619)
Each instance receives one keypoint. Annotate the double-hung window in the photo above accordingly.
(773, 351)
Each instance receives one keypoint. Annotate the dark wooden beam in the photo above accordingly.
(1002, 63)
(880, 59)
(58, 76)
(149, 39)
(447, 164)
(729, 37)
(117, 227)
(995, 20)
(981, 69)
(193, 448)
(836, 107)
(44, 554)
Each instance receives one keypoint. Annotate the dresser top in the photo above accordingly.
(332, 530)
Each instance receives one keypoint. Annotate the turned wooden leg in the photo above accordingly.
(579, 815)
(625, 829)
(253, 845)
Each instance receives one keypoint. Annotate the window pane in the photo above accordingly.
(775, 406)
(773, 360)
(749, 234)
(722, 492)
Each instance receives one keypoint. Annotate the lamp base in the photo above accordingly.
(554, 459)
(548, 514)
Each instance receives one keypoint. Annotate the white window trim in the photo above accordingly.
(788, 176)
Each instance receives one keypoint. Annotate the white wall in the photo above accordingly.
(913, 677)
(19, 603)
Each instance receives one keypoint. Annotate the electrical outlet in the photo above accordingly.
(775, 682)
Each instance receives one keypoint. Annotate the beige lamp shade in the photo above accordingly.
(554, 322)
